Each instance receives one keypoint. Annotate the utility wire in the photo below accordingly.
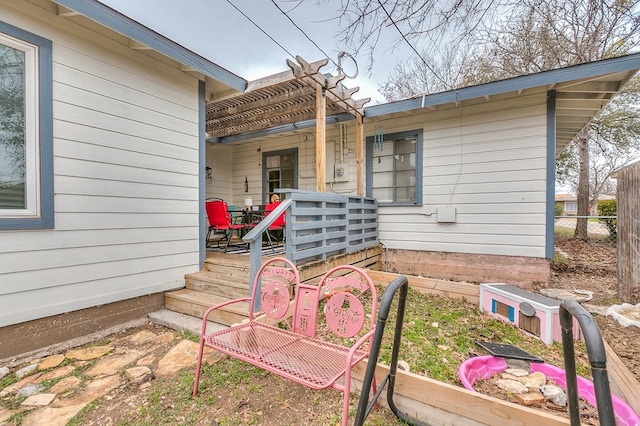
(413, 48)
(305, 34)
(260, 28)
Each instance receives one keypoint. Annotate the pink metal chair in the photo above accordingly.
(220, 221)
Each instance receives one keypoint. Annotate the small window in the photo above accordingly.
(571, 206)
(26, 187)
(394, 168)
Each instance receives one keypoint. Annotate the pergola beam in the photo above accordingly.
(262, 103)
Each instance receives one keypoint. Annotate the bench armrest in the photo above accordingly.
(359, 343)
(203, 330)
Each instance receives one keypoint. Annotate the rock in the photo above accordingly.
(182, 355)
(94, 390)
(26, 371)
(530, 398)
(51, 362)
(162, 339)
(518, 364)
(18, 385)
(112, 364)
(5, 414)
(139, 375)
(39, 400)
(554, 394)
(511, 386)
(66, 384)
(147, 360)
(89, 353)
(4, 371)
(57, 373)
(52, 416)
(29, 390)
(534, 380)
(516, 372)
(139, 338)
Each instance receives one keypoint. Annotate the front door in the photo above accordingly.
(279, 170)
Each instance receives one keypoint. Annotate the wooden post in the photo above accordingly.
(321, 147)
(360, 153)
(628, 233)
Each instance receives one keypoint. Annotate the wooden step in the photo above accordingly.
(218, 284)
(223, 259)
(195, 303)
(229, 270)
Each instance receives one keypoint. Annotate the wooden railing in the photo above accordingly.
(318, 225)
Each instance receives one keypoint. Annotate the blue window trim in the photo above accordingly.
(369, 165)
(45, 81)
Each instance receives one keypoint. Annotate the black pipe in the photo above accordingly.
(569, 308)
(364, 408)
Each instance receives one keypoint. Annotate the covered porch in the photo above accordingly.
(298, 135)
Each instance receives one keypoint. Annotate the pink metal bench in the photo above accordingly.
(310, 334)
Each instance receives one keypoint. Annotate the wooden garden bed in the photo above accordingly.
(439, 403)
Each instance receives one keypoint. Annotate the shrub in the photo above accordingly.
(609, 208)
(558, 209)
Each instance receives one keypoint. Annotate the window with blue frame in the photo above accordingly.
(394, 168)
(26, 140)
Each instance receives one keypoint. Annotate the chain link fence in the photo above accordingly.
(598, 227)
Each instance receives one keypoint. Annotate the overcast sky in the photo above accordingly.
(217, 31)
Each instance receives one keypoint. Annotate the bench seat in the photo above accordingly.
(314, 363)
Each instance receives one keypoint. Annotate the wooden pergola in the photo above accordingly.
(300, 94)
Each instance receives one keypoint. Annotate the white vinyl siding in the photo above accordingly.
(219, 158)
(126, 179)
(488, 161)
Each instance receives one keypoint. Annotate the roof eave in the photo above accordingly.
(546, 78)
(126, 26)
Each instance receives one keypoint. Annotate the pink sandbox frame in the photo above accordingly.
(482, 367)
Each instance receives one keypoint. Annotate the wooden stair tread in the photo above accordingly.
(208, 300)
(214, 277)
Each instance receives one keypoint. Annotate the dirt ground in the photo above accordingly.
(255, 398)
(592, 266)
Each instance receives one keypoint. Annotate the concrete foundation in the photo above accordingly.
(20, 339)
(525, 272)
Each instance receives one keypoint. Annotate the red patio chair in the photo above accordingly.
(277, 226)
(220, 220)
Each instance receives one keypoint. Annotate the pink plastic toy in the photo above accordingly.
(482, 367)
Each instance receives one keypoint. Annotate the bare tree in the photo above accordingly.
(534, 36)
(364, 23)
(411, 78)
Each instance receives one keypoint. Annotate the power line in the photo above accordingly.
(305, 34)
(414, 49)
(260, 28)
